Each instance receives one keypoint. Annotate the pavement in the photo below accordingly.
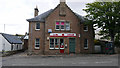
(22, 59)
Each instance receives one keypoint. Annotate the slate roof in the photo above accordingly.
(11, 38)
(42, 16)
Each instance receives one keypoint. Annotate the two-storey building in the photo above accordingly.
(59, 31)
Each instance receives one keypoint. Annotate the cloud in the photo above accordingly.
(14, 13)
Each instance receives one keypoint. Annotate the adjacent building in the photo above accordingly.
(59, 31)
(10, 42)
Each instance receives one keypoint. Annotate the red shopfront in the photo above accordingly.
(57, 40)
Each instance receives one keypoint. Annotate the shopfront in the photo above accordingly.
(62, 41)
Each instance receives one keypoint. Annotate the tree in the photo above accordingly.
(104, 15)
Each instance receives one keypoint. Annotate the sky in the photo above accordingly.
(13, 13)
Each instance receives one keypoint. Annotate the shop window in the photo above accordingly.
(57, 44)
(61, 44)
(37, 43)
(37, 26)
(85, 28)
(51, 43)
(67, 26)
(85, 43)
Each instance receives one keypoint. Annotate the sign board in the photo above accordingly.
(49, 30)
(62, 34)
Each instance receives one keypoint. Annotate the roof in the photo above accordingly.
(11, 38)
(44, 15)
(26, 37)
(41, 17)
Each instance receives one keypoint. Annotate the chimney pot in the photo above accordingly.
(36, 12)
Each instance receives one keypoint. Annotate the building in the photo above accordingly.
(9, 42)
(59, 31)
(25, 45)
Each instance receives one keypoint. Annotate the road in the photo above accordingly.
(69, 60)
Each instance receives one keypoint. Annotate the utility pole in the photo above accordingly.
(4, 28)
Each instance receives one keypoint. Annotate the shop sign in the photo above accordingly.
(62, 34)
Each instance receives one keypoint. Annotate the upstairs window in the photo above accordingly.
(62, 25)
(37, 43)
(85, 43)
(85, 28)
(37, 26)
(57, 25)
(67, 26)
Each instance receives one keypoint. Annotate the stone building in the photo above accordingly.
(59, 31)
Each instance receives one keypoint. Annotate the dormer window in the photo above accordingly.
(85, 28)
(37, 26)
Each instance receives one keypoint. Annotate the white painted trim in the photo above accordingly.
(35, 26)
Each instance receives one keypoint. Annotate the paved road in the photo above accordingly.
(74, 60)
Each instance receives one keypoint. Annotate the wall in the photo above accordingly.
(7, 46)
(33, 34)
(74, 28)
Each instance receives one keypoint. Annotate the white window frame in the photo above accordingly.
(55, 45)
(87, 44)
(36, 25)
(58, 43)
(49, 44)
(65, 26)
(39, 44)
(86, 27)
(59, 25)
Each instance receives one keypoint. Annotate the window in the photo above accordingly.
(67, 26)
(37, 43)
(61, 44)
(85, 28)
(51, 43)
(56, 43)
(85, 44)
(62, 25)
(57, 25)
(37, 26)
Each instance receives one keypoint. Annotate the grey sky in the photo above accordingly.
(13, 13)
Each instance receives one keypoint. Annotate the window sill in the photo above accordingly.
(37, 48)
(57, 48)
(86, 48)
(61, 30)
(37, 29)
(51, 48)
(85, 30)
(62, 48)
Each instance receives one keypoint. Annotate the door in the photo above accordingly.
(71, 45)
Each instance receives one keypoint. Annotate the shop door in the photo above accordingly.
(71, 45)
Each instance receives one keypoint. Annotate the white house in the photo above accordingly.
(10, 42)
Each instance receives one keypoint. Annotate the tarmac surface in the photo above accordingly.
(22, 59)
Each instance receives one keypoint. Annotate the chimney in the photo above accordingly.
(36, 12)
(62, 7)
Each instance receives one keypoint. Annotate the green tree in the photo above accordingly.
(104, 15)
